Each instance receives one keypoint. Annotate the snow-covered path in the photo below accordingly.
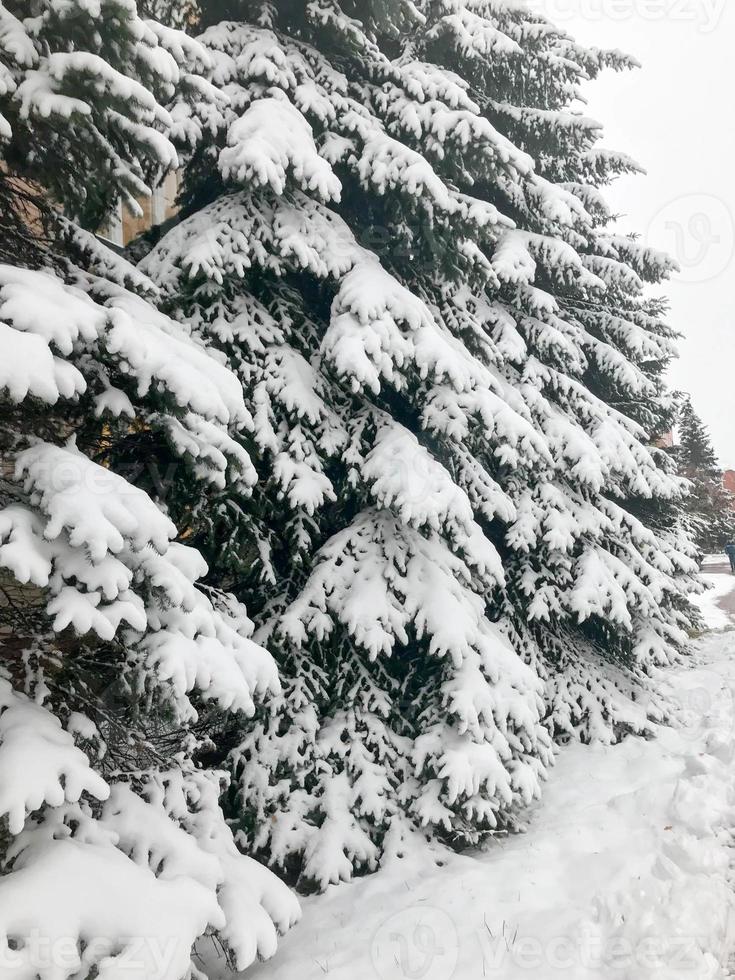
(624, 872)
(718, 605)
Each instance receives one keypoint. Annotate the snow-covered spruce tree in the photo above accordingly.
(710, 507)
(463, 541)
(118, 665)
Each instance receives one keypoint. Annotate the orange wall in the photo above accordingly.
(157, 208)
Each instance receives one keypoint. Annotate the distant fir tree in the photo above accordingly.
(711, 508)
(117, 664)
(463, 540)
(694, 451)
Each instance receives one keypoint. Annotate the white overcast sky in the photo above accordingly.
(676, 117)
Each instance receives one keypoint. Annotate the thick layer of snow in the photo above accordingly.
(715, 617)
(623, 871)
(716, 559)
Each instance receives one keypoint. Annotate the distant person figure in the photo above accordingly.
(730, 552)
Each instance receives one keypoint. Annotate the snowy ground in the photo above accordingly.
(718, 604)
(624, 872)
(716, 559)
